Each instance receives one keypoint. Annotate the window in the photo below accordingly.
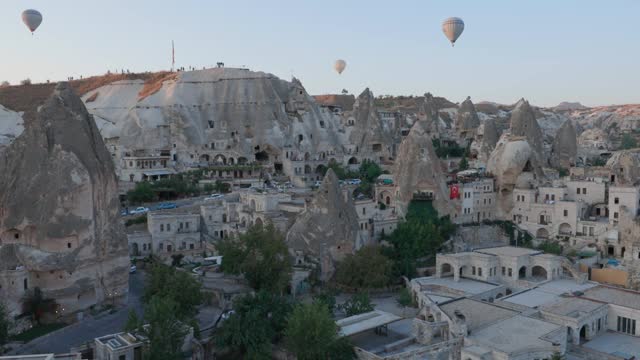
(566, 212)
(503, 271)
(473, 270)
(168, 227)
(616, 201)
(553, 197)
(615, 215)
(68, 245)
(626, 325)
(479, 271)
(186, 225)
(161, 227)
(510, 272)
(584, 191)
(578, 191)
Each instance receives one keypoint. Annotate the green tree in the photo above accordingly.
(420, 236)
(176, 260)
(165, 330)
(261, 255)
(368, 268)
(143, 192)
(258, 321)
(357, 304)
(405, 299)
(4, 326)
(133, 321)
(327, 298)
(464, 164)
(312, 334)
(369, 171)
(628, 142)
(167, 282)
(557, 356)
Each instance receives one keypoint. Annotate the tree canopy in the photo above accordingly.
(628, 142)
(358, 304)
(169, 283)
(368, 268)
(420, 236)
(312, 334)
(165, 330)
(258, 321)
(261, 255)
(4, 326)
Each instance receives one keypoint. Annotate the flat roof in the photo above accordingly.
(363, 322)
(548, 293)
(573, 307)
(616, 296)
(477, 314)
(515, 333)
(467, 286)
(509, 251)
(28, 357)
(615, 344)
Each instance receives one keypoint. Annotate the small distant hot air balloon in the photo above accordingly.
(32, 18)
(453, 28)
(340, 65)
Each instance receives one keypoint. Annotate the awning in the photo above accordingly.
(158, 172)
(363, 322)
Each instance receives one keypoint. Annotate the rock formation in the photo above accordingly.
(564, 150)
(417, 170)
(429, 114)
(59, 212)
(514, 164)
(467, 120)
(524, 123)
(368, 133)
(625, 167)
(327, 229)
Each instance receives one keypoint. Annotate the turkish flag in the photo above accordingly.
(454, 192)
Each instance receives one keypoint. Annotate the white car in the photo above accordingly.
(317, 183)
(133, 269)
(354, 181)
(214, 197)
(139, 210)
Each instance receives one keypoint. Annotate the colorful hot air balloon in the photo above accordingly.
(32, 18)
(453, 28)
(340, 65)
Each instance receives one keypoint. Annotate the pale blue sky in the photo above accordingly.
(544, 50)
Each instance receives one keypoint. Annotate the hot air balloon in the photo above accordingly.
(32, 18)
(340, 65)
(453, 28)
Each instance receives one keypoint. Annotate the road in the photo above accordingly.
(89, 328)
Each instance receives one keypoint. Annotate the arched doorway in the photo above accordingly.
(611, 250)
(565, 229)
(446, 270)
(539, 272)
(462, 271)
(353, 161)
(622, 252)
(258, 222)
(583, 334)
(522, 273)
(542, 233)
(388, 200)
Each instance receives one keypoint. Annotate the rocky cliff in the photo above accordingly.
(371, 137)
(417, 169)
(564, 150)
(467, 120)
(59, 209)
(327, 229)
(524, 123)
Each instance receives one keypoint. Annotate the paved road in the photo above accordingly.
(88, 329)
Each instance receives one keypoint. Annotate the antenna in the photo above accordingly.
(173, 56)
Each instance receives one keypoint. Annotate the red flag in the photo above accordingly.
(454, 192)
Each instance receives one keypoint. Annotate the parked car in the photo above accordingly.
(317, 183)
(133, 269)
(165, 206)
(214, 197)
(354, 181)
(124, 212)
(139, 210)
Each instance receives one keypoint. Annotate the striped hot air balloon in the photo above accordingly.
(452, 29)
(32, 18)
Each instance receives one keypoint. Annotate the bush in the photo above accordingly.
(357, 304)
(143, 192)
(136, 220)
(26, 81)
